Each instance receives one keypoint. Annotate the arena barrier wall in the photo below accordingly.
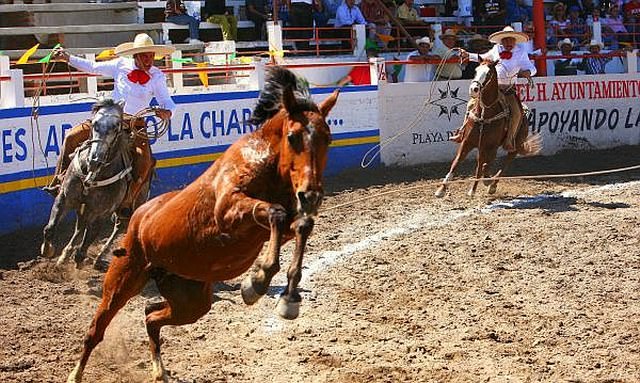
(573, 112)
(203, 127)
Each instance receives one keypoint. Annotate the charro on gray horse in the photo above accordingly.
(94, 185)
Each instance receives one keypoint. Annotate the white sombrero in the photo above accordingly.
(143, 43)
(424, 40)
(565, 41)
(508, 32)
(596, 43)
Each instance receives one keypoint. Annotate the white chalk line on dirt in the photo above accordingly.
(426, 219)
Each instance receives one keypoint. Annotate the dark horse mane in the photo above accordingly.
(278, 79)
(105, 102)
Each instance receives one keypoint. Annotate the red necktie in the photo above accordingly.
(139, 76)
(506, 55)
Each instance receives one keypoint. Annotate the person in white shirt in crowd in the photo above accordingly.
(136, 82)
(421, 71)
(512, 62)
(453, 70)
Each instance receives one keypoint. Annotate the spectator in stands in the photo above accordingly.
(216, 12)
(464, 13)
(175, 12)
(566, 66)
(301, 16)
(349, 14)
(377, 21)
(477, 44)
(490, 13)
(632, 17)
(613, 29)
(518, 11)
(448, 71)
(420, 70)
(320, 17)
(259, 12)
(136, 82)
(597, 64)
(576, 28)
(556, 25)
(408, 14)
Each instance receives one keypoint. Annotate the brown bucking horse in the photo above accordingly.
(486, 129)
(266, 186)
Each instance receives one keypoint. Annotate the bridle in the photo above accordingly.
(88, 179)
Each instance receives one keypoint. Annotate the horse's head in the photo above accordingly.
(485, 74)
(106, 127)
(303, 154)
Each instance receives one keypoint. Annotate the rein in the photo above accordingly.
(87, 179)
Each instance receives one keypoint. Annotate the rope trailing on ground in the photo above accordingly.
(473, 179)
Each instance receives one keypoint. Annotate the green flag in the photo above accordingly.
(47, 58)
(183, 61)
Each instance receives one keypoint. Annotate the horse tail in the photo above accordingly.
(531, 146)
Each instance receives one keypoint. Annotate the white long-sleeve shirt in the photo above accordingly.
(136, 96)
(507, 68)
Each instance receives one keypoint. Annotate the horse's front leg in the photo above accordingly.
(256, 285)
(461, 154)
(72, 248)
(58, 210)
(289, 303)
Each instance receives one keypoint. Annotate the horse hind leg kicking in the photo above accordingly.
(185, 302)
(125, 278)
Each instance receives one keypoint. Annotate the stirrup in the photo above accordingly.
(53, 190)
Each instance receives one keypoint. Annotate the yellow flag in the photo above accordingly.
(204, 76)
(105, 54)
(385, 38)
(25, 57)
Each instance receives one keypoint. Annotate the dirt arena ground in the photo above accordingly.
(539, 283)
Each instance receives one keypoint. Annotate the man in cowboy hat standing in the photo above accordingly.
(448, 71)
(136, 82)
(512, 61)
(566, 66)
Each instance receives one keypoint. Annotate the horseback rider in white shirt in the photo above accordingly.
(136, 82)
(512, 61)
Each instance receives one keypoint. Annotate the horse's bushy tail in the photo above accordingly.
(531, 146)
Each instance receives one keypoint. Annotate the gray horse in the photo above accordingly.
(94, 184)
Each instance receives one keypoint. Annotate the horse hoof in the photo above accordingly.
(75, 376)
(249, 294)
(288, 310)
(471, 193)
(492, 188)
(441, 192)
(47, 250)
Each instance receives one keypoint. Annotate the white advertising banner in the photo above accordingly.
(573, 112)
